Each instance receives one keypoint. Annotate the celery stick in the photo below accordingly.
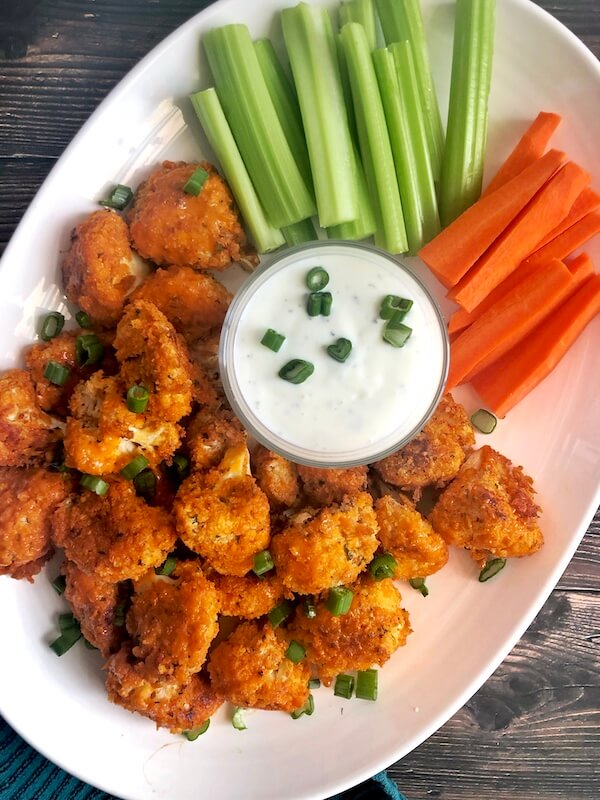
(396, 74)
(286, 105)
(364, 225)
(212, 118)
(375, 147)
(462, 166)
(255, 126)
(312, 53)
(402, 20)
(362, 11)
(300, 232)
(345, 79)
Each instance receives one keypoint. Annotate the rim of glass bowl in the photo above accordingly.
(252, 423)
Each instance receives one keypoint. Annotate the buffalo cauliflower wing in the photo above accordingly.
(222, 514)
(178, 707)
(99, 267)
(248, 597)
(172, 621)
(323, 487)
(250, 669)
(409, 537)
(277, 477)
(152, 354)
(489, 509)
(210, 433)
(27, 434)
(435, 455)
(99, 607)
(318, 550)
(28, 499)
(375, 627)
(172, 227)
(115, 537)
(193, 302)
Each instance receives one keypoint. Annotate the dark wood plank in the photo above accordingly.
(532, 731)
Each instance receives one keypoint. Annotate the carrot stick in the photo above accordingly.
(508, 321)
(453, 251)
(529, 148)
(568, 241)
(505, 382)
(581, 267)
(587, 202)
(543, 213)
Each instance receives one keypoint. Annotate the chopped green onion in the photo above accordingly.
(296, 371)
(340, 350)
(195, 182)
(295, 652)
(280, 613)
(83, 319)
(383, 566)
(312, 52)
(89, 645)
(52, 325)
(119, 198)
(392, 305)
(419, 585)
(314, 683)
(263, 562)
(192, 735)
(212, 118)
(396, 333)
(366, 684)
(137, 465)
(484, 421)
(167, 567)
(119, 617)
(67, 621)
(237, 719)
(59, 584)
(243, 92)
(56, 373)
(493, 567)
(339, 600)
(466, 134)
(319, 303)
(308, 709)
(310, 610)
(317, 279)
(88, 349)
(272, 340)
(137, 399)
(145, 484)
(66, 640)
(94, 484)
(181, 465)
(344, 686)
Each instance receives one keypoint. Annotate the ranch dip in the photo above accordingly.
(348, 412)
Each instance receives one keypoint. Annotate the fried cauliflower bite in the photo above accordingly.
(97, 605)
(28, 499)
(409, 537)
(435, 455)
(102, 436)
(115, 537)
(172, 621)
(152, 354)
(210, 433)
(375, 627)
(323, 487)
(222, 514)
(98, 269)
(171, 227)
(27, 434)
(250, 669)
(193, 302)
(62, 350)
(248, 597)
(277, 477)
(327, 548)
(179, 707)
(489, 509)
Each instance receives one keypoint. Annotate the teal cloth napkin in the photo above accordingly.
(26, 775)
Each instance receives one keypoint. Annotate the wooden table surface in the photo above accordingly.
(532, 730)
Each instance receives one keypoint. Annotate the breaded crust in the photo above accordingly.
(323, 487)
(277, 477)
(248, 597)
